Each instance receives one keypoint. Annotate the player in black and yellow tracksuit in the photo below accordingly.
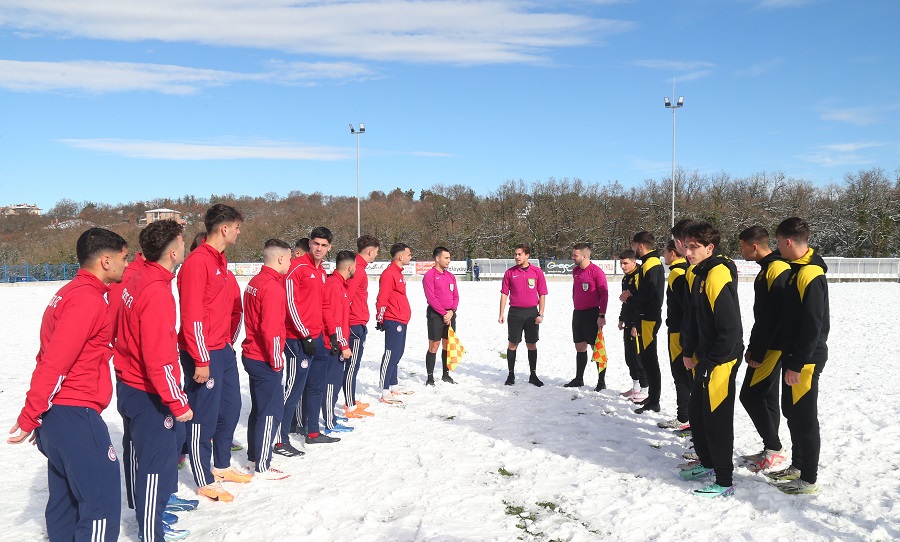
(713, 339)
(648, 301)
(805, 328)
(627, 319)
(676, 305)
(759, 392)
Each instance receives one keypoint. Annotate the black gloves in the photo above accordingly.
(335, 345)
(379, 326)
(308, 346)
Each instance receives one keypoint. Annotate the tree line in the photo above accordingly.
(859, 217)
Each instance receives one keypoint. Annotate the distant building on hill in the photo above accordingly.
(20, 209)
(161, 214)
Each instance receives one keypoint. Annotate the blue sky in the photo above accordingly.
(123, 100)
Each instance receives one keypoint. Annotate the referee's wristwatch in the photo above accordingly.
(603, 315)
(540, 315)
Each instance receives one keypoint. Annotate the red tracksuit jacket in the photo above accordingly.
(391, 303)
(237, 310)
(358, 290)
(264, 308)
(336, 311)
(73, 361)
(207, 303)
(146, 350)
(304, 287)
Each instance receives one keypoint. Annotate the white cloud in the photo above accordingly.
(693, 76)
(675, 65)
(778, 4)
(851, 147)
(843, 154)
(100, 77)
(229, 149)
(167, 150)
(858, 116)
(758, 69)
(443, 31)
(685, 70)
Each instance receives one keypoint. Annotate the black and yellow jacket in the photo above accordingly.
(715, 334)
(806, 320)
(648, 300)
(676, 295)
(628, 315)
(768, 303)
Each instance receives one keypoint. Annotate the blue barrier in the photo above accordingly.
(37, 273)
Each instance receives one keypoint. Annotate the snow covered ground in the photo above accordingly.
(482, 461)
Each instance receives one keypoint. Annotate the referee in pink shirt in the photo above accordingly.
(525, 286)
(590, 295)
(443, 299)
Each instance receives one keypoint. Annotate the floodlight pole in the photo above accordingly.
(357, 133)
(673, 107)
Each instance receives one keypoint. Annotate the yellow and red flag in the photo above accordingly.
(599, 352)
(455, 350)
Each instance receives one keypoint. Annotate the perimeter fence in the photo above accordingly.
(839, 269)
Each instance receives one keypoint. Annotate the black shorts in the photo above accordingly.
(584, 325)
(521, 319)
(437, 329)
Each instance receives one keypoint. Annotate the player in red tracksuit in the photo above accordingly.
(358, 290)
(263, 355)
(392, 316)
(336, 313)
(69, 389)
(148, 387)
(206, 300)
(305, 290)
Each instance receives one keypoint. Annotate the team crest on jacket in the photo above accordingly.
(111, 453)
(399, 328)
(585, 286)
(531, 283)
(169, 423)
(702, 284)
(304, 363)
(451, 287)
(210, 383)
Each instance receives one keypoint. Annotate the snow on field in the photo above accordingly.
(483, 461)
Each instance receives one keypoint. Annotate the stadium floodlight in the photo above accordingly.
(357, 133)
(679, 103)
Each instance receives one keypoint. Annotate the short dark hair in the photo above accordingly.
(704, 233)
(276, 243)
(670, 246)
(95, 241)
(302, 244)
(365, 242)
(220, 214)
(644, 238)
(157, 236)
(628, 254)
(344, 256)
(198, 240)
(438, 250)
(581, 246)
(525, 248)
(677, 230)
(756, 235)
(398, 247)
(321, 232)
(794, 228)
